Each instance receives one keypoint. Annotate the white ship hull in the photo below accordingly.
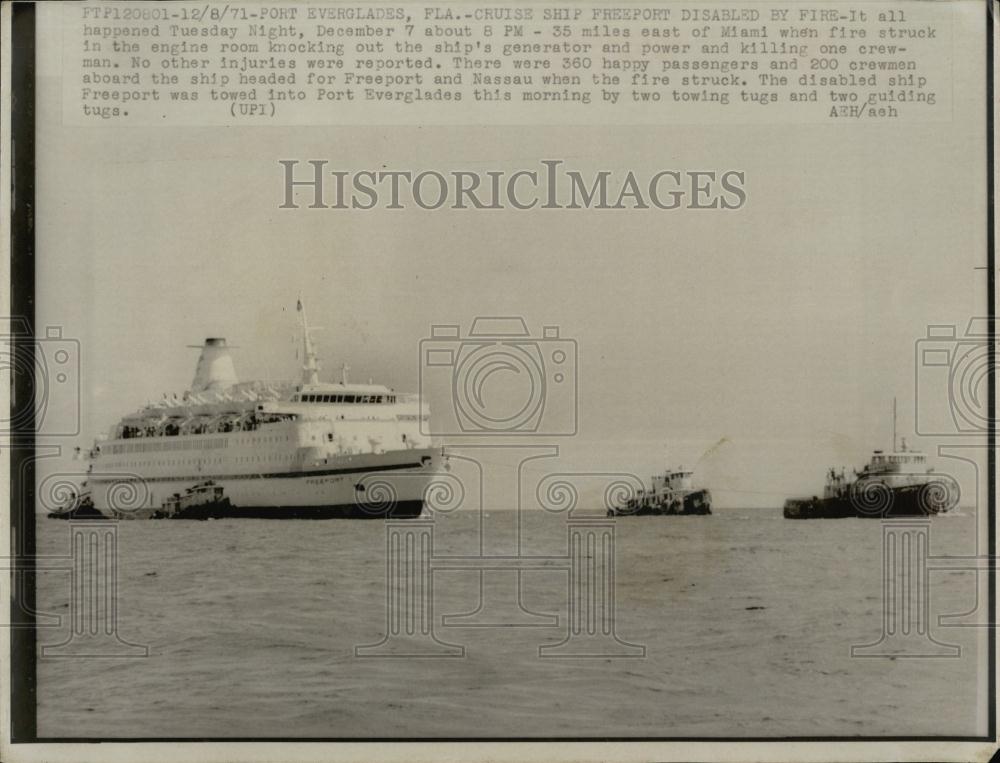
(388, 484)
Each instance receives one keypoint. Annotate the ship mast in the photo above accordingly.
(894, 425)
(310, 368)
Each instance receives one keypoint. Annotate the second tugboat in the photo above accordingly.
(671, 493)
(896, 484)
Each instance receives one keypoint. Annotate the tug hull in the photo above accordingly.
(906, 501)
(82, 508)
(695, 502)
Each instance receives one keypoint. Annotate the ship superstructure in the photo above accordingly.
(255, 449)
(671, 492)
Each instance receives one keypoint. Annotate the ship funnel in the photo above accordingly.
(215, 371)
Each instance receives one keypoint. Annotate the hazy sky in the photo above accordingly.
(785, 328)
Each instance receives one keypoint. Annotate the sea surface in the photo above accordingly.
(744, 621)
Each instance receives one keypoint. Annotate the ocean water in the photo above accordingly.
(746, 621)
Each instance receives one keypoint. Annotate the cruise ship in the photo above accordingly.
(225, 448)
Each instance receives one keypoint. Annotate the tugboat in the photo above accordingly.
(79, 506)
(204, 500)
(671, 493)
(895, 484)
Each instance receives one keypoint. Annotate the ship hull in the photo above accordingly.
(908, 501)
(225, 510)
(696, 502)
(699, 502)
(375, 486)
